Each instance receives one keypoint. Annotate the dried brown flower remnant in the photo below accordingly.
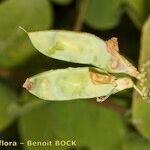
(118, 63)
(99, 78)
(28, 84)
(112, 44)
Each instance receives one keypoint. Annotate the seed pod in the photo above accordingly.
(82, 48)
(75, 83)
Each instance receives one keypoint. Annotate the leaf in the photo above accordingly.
(141, 108)
(86, 123)
(14, 47)
(82, 48)
(107, 14)
(62, 2)
(103, 14)
(74, 83)
(8, 99)
(135, 142)
(138, 10)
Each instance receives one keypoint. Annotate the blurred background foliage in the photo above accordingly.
(120, 123)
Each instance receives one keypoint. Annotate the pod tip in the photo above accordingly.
(28, 84)
(22, 29)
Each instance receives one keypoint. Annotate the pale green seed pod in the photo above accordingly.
(75, 83)
(83, 48)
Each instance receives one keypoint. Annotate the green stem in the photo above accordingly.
(81, 14)
(115, 107)
(17, 111)
(138, 90)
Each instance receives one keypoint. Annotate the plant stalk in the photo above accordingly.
(81, 14)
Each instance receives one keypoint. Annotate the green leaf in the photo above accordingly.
(31, 14)
(103, 14)
(75, 83)
(85, 122)
(82, 48)
(106, 14)
(138, 10)
(135, 142)
(7, 101)
(141, 108)
(62, 2)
